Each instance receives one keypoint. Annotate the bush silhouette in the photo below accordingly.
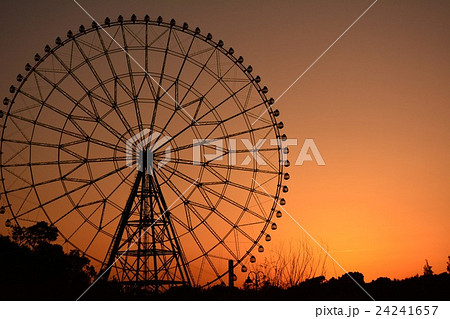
(33, 268)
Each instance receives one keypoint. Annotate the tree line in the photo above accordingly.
(34, 267)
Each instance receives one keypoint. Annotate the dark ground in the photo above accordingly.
(32, 268)
(431, 287)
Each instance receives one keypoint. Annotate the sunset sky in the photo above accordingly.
(377, 105)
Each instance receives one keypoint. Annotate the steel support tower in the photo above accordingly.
(145, 252)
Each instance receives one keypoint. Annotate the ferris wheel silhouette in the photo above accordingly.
(97, 139)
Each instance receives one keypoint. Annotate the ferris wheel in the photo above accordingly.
(147, 145)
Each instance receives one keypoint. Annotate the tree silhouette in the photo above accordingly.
(35, 235)
(448, 265)
(427, 271)
(33, 268)
(351, 277)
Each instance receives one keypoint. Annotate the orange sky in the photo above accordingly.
(377, 106)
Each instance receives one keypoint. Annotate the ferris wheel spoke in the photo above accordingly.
(119, 113)
(210, 207)
(259, 203)
(242, 113)
(75, 208)
(100, 223)
(204, 253)
(48, 126)
(63, 216)
(16, 154)
(224, 218)
(178, 104)
(185, 52)
(222, 180)
(155, 107)
(70, 117)
(97, 188)
(198, 74)
(77, 205)
(93, 117)
(70, 72)
(25, 200)
(111, 102)
(52, 108)
(108, 200)
(220, 240)
(224, 136)
(36, 184)
(119, 185)
(117, 207)
(183, 198)
(225, 181)
(101, 119)
(32, 143)
(130, 75)
(47, 163)
(106, 52)
(179, 222)
(18, 176)
(204, 115)
(147, 83)
(57, 110)
(172, 116)
(185, 58)
(215, 211)
(146, 47)
(86, 220)
(91, 242)
(71, 191)
(223, 166)
(220, 79)
(158, 94)
(26, 138)
(210, 190)
(94, 72)
(163, 67)
(69, 133)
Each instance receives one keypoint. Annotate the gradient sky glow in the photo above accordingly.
(377, 106)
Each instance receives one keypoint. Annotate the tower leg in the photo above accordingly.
(145, 252)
